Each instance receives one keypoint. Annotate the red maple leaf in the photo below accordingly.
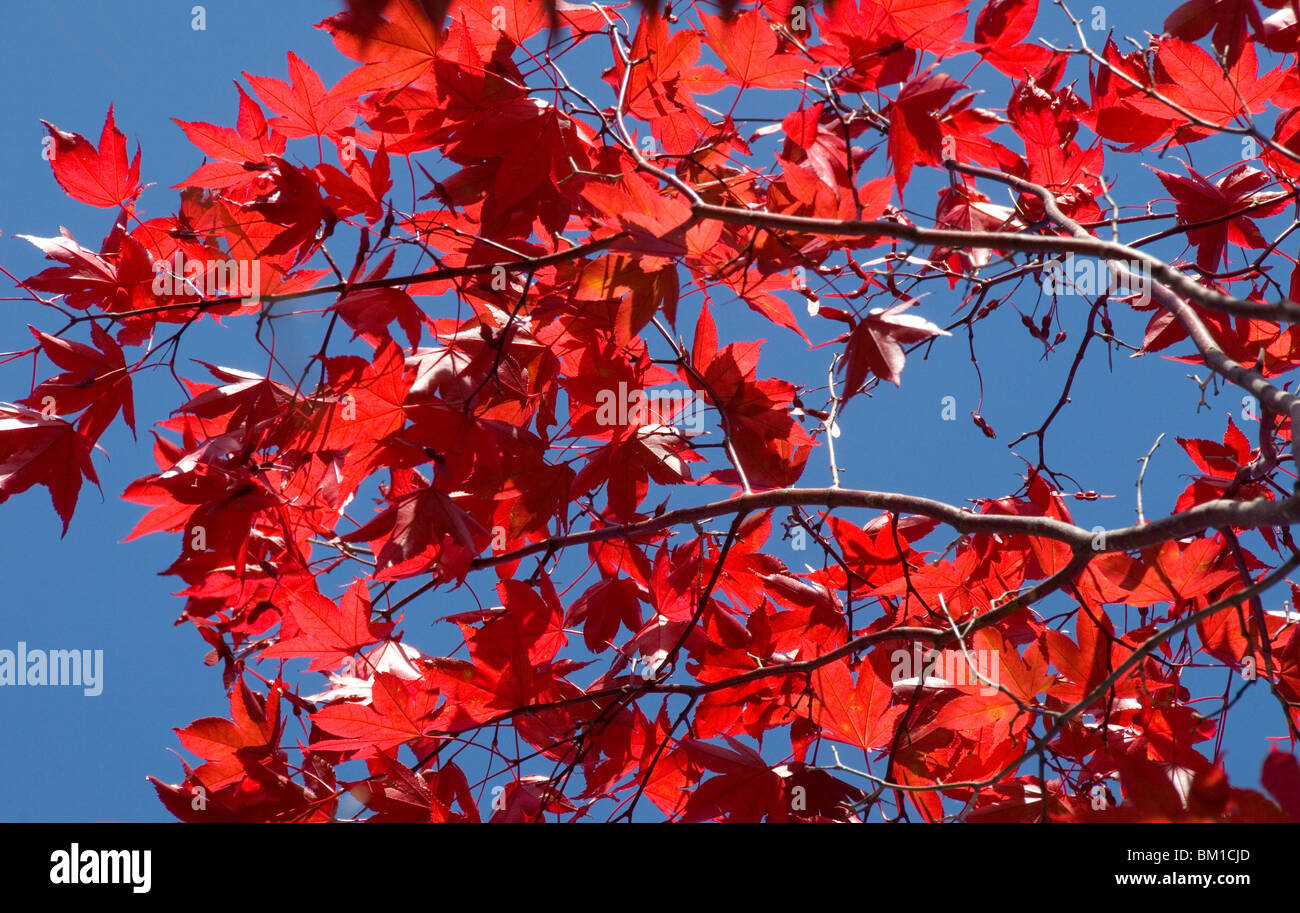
(1200, 201)
(915, 137)
(39, 449)
(856, 713)
(1194, 81)
(1227, 18)
(747, 47)
(999, 29)
(399, 710)
(230, 746)
(94, 379)
(101, 177)
(876, 343)
(325, 632)
(248, 144)
(116, 281)
(304, 106)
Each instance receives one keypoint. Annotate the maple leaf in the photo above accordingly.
(101, 177)
(666, 65)
(367, 407)
(304, 107)
(1024, 677)
(995, 718)
(861, 38)
(876, 343)
(602, 608)
(361, 189)
(773, 447)
(397, 49)
(400, 710)
(1116, 99)
(529, 798)
(1281, 777)
(969, 210)
(417, 796)
(115, 281)
(657, 222)
(1190, 78)
(857, 713)
(747, 47)
(914, 133)
(747, 789)
(420, 529)
(38, 449)
(249, 143)
(1048, 121)
(1227, 18)
(928, 25)
(94, 379)
(230, 746)
(1173, 572)
(1200, 201)
(1220, 460)
(1156, 791)
(241, 392)
(999, 29)
(1281, 31)
(326, 632)
(528, 633)
(370, 311)
(294, 203)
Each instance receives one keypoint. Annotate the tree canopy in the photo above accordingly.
(549, 251)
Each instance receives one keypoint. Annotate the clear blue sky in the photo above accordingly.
(71, 757)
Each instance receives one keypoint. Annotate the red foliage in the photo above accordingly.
(495, 414)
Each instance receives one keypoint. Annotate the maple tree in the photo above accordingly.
(522, 249)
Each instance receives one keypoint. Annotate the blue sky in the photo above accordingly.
(71, 757)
